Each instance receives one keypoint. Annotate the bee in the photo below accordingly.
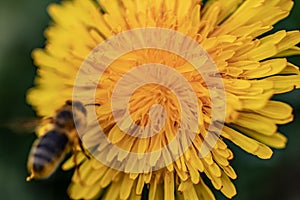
(48, 151)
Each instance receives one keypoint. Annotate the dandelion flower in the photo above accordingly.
(252, 67)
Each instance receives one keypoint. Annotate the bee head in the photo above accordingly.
(77, 105)
(64, 118)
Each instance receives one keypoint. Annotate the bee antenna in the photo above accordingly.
(92, 104)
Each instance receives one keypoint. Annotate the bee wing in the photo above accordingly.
(25, 125)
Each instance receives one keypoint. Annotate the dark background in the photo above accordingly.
(21, 30)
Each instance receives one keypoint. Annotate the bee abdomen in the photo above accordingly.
(48, 150)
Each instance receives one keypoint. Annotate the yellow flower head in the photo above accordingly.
(174, 79)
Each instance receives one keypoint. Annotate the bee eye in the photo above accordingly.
(80, 107)
(64, 115)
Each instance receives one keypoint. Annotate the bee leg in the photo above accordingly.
(82, 149)
(30, 177)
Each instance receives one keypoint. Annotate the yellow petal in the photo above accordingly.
(140, 184)
(226, 6)
(112, 192)
(203, 192)
(276, 140)
(95, 176)
(216, 181)
(228, 188)
(126, 186)
(250, 12)
(188, 190)
(220, 159)
(194, 174)
(276, 110)
(284, 84)
(289, 52)
(256, 101)
(229, 171)
(156, 190)
(69, 164)
(254, 29)
(267, 68)
(248, 144)
(114, 13)
(133, 195)
(107, 178)
(257, 122)
(271, 45)
(169, 185)
(291, 39)
(115, 135)
(290, 69)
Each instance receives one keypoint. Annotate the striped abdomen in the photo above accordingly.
(46, 153)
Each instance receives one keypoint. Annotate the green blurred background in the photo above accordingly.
(21, 30)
